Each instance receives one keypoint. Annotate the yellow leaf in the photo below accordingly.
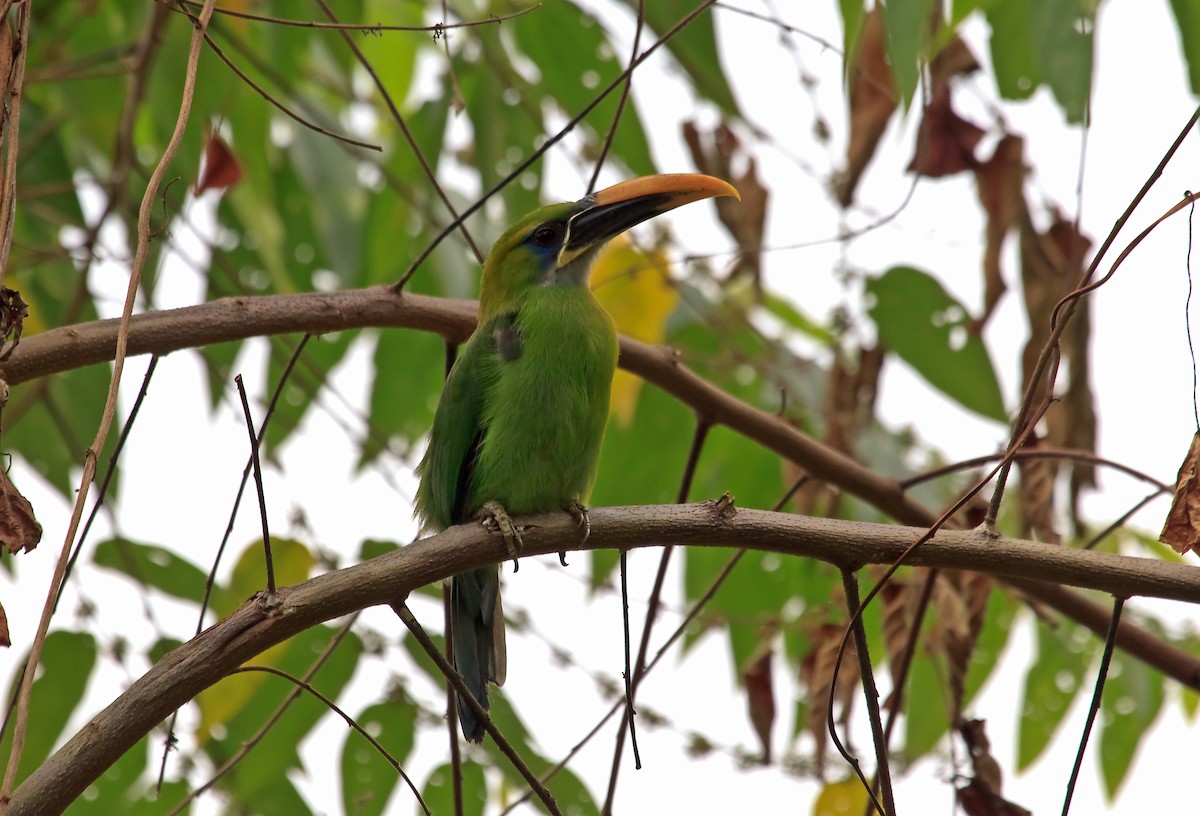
(636, 289)
(219, 704)
(841, 798)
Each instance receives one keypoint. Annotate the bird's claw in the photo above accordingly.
(580, 514)
(495, 517)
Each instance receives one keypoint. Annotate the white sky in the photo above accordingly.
(184, 464)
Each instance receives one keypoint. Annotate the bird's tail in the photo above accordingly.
(477, 626)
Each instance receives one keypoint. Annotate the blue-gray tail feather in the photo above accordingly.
(477, 627)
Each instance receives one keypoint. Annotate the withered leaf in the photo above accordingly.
(955, 58)
(221, 167)
(999, 182)
(760, 699)
(19, 530)
(976, 800)
(1182, 527)
(717, 153)
(945, 141)
(873, 100)
(5, 638)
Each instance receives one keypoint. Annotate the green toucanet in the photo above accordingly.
(521, 416)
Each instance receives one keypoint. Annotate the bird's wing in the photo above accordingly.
(458, 428)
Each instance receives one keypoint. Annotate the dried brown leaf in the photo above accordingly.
(221, 168)
(979, 747)
(945, 141)
(19, 530)
(951, 636)
(976, 800)
(5, 638)
(1036, 498)
(954, 59)
(760, 699)
(1181, 530)
(816, 673)
(718, 153)
(999, 182)
(873, 100)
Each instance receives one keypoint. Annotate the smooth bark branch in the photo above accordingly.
(238, 318)
(216, 652)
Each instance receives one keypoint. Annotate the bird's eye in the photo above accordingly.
(547, 235)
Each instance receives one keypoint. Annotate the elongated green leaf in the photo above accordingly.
(1187, 18)
(66, 666)
(930, 330)
(438, 792)
(695, 47)
(566, 788)
(1050, 42)
(368, 779)
(153, 566)
(576, 61)
(907, 25)
(409, 368)
(1054, 679)
(1133, 697)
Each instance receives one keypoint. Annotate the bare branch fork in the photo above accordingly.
(219, 650)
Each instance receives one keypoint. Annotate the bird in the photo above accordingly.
(519, 424)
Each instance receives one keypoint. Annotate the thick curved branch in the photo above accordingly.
(239, 318)
(220, 649)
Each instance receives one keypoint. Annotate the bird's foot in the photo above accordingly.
(580, 514)
(496, 518)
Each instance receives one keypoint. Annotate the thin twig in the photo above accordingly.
(871, 695)
(110, 406)
(246, 747)
(375, 28)
(685, 486)
(108, 476)
(452, 706)
(216, 49)
(211, 580)
(1069, 454)
(626, 87)
(430, 175)
(550, 142)
(1110, 643)
(1059, 322)
(258, 485)
(455, 679)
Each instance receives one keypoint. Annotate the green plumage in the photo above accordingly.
(520, 422)
(522, 414)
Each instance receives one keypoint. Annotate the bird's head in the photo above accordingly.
(555, 245)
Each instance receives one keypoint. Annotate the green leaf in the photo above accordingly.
(660, 423)
(926, 720)
(1050, 42)
(65, 668)
(576, 61)
(438, 792)
(993, 637)
(278, 751)
(367, 777)
(695, 47)
(371, 548)
(1187, 17)
(153, 566)
(1013, 59)
(507, 123)
(907, 26)
(1054, 679)
(1133, 698)
(409, 371)
(793, 317)
(566, 787)
(932, 332)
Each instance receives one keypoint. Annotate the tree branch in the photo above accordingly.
(238, 318)
(220, 649)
